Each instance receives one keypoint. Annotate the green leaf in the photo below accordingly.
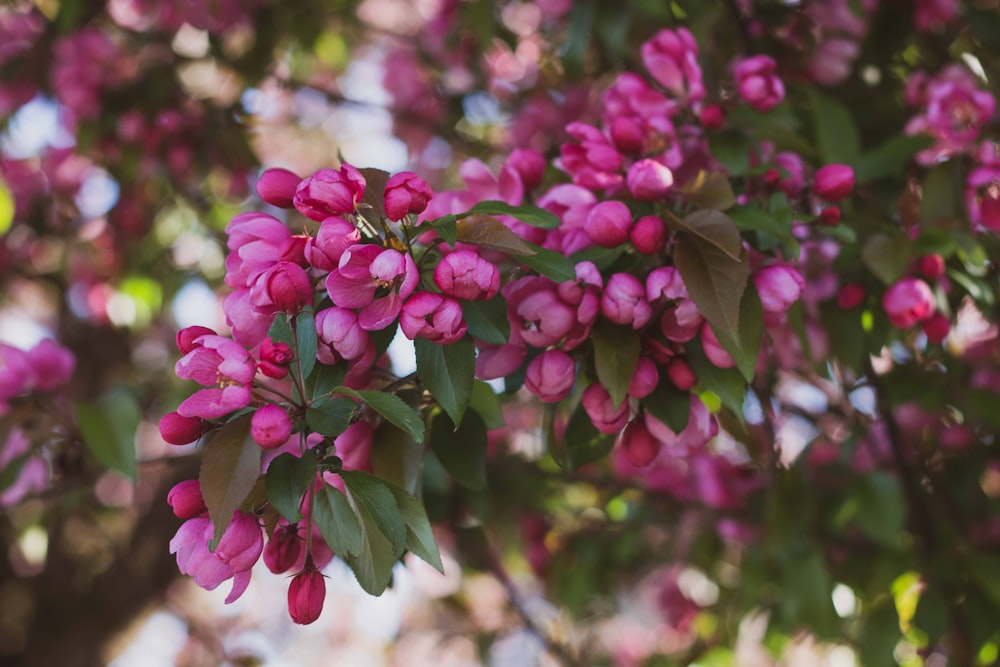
(419, 536)
(383, 531)
(807, 593)
(391, 407)
(487, 320)
(230, 466)
(881, 508)
(714, 280)
(584, 443)
(6, 208)
(984, 569)
(726, 383)
(487, 404)
(486, 232)
(879, 636)
(836, 135)
(709, 190)
(943, 188)
(447, 371)
(288, 478)
(753, 218)
(745, 347)
(337, 523)
(890, 158)
(396, 457)
(714, 228)
(462, 450)
(549, 263)
(446, 227)
(670, 405)
(529, 215)
(323, 380)
(108, 427)
(11, 470)
(616, 354)
(281, 331)
(732, 149)
(331, 418)
(887, 256)
(305, 332)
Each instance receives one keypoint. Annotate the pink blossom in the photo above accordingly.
(354, 446)
(187, 336)
(609, 223)
(779, 286)
(180, 430)
(833, 60)
(209, 569)
(335, 235)
(833, 182)
(671, 58)
(306, 594)
(186, 500)
(712, 117)
(649, 180)
(592, 162)
(603, 414)
(645, 378)
(791, 163)
(223, 365)
(284, 287)
(936, 328)
(638, 444)
(649, 234)
(758, 84)
(932, 14)
(624, 301)
(713, 348)
(681, 375)
(982, 194)
(340, 336)
(375, 280)
(285, 548)
(405, 193)
(465, 275)
(701, 427)
(497, 361)
(529, 164)
(330, 192)
(33, 475)
(550, 376)
(433, 316)
(249, 327)
(256, 242)
(277, 187)
(537, 314)
(908, 302)
(270, 426)
(275, 359)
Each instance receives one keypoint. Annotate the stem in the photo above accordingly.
(299, 380)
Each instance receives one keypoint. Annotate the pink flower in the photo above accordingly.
(33, 475)
(306, 594)
(713, 348)
(432, 316)
(465, 275)
(701, 427)
(256, 242)
(982, 196)
(186, 500)
(908, 302)
(223, 365)
(406, 193)
(593, 162)
(649, 180)
(681, 322)
(277, 187)
(335, 236)
(791, 163)
(275, 359)
(537, 314)
(284, 287)
(187, 336)
(340, 336)
(330, 192)
(759, 86)
(833, 60)
(624, 301)
(354, 446)
(285, 548)
(497, 361)
(645, 378)
(375, 280)
(851, 296)
(248, 325)
(681, 375)
(529, 164)
(180, 430)
(779, 286)
(638, 444)
(609, 223)
(271, 426)
(936, 328)
(671, 58)
(605, 417)
(649, 234)
(51, 364)
(931, 14)
(833, 182)
(550, 376)
(241, 544)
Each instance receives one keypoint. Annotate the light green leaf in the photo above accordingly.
(108, 427)
(391, 407)
(6, 208)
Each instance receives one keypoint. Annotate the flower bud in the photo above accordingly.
(779, 286)
(603, 414)
(284, 549)
(277, 187)
(712, 117)
(306, 594)
(274, 358)
(649, 180)
(829, 216)
(908, 302)
(406, 193)
(649, 234)
(330, 192)
(550, 376)
(530, 166)
(335, 236)
(681, 375)
(608, 224)
(936, 327)
(432, 316)
(713, 348)
(270, 426)
(851, 296)
(638, 443)
(242, 543)
(186, 499)
(624, 301)
(930, 266)
(51, 363)
(465, 275)
(833, 182)
(645, 378)
(187, 336)
(757, 83)
(180, 430)
(285, 287)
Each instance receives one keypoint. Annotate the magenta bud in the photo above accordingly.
(306, 594)
(649, 234)
(186, 499)
(277, 187)
(851, 296)
(908, 302)
(465, 275)
(271, 426)
(681, 375)
(180, 430)
(829, 216)
(930, 266)
(603, 414)
(758, 84)
(530, 166)
(649, 180)
(187, 336)
(285, 287)
(936, 327)
(645, 378)
(833, 182)
(330, 192)
(284, 549)
(406, 193)
(712, 117)
(638, 443)
(550, 376)
(609, 223)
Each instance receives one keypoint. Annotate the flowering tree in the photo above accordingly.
(701, 300)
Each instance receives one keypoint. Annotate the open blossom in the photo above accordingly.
(682, 320)
(671, 58)
(406, 193)
(465, 275)
(330, 192)
(335, 235)
(433, 316)
(238, 549)
(374, 280)
(226, 368)
(255, 243)
(758, 84)
(779, 286)
(593, 162)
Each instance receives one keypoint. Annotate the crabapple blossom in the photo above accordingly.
(186, 500)
(330, 192)
(238, 549)
(335, 235)
(465, 275)
(433, 316)
(644, 379)
(758, 84)
(223, 365)
(529, 164)
(180, 430)
(608, 223)
(649, 234)
(256, 241)
(275, 358)
(285, 547)
(713, 348)
(306, 594)
(603, 414)
(833, 182)
(681, 375)
(284, 287)
(671, 58)
(908, 302)
(375, 281)
(277, 187)
(270, 426)
(187, 336)
(406, 193)
(593, 162)
(649, 180)
(624, 301)
(340, 336)
(638, 444)
(550, 376)
(930, 266)
(936, 327)
(779, 286)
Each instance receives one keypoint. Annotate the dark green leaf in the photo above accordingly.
(486, 232)
(305, 332)
(807, 593)
(487, 320)
(709, 190)
(584, 443)
(230, 466)
(616, 354)
(396, 457)
(670, 405)
(881, 508)
(879, 636)
(714, 228)
(529, 215)
(836, 135)
(487, 404)
(549, 263)
(331, 418)
(447, 371)
(391, 407)
(323, 380)
(383, 531)
(887, 256)
(446, 228)
(890, 158)
(108, 427)
(753, 218)
(281, 331)
(731, 148)
(288, 478)
(337, 523)
(419, 536)
(942, 194)
(462, 451)
(745, 347)
(726, 383)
